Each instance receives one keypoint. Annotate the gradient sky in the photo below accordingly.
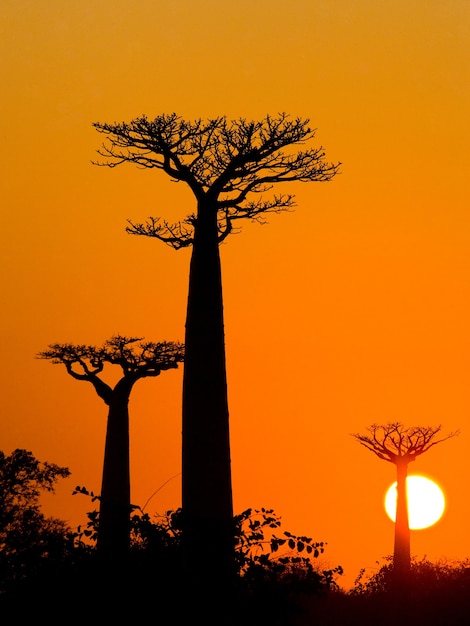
(353, 309)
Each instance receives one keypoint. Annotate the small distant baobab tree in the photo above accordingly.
(396, 444)
(137, 359)
(229, 167)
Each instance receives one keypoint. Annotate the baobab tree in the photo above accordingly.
(229, 166)
(396, 444)
(137, 359)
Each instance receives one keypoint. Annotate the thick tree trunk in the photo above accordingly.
(114, 519)
(206, 473)
(402, 554)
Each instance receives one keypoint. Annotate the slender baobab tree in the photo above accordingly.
(229, 167)
(396, 444)
(137, 359)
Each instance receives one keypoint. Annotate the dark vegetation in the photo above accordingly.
(54, 573)
(437, 594)
(58, 569)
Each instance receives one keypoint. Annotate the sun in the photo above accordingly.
(426, 502)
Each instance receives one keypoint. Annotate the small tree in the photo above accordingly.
(28, 539)
(137, 359)
(396, 444)
(229, 166)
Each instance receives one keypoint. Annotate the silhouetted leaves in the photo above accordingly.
(29, 541)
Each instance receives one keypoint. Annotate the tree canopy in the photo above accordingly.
(393, 442)
(27, 537)
(136, 357)
(233, 163)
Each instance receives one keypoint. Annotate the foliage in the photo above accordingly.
(436, 594)
(379, 581)
(277, 569)
(274, 567)
(29, 541)
(87, 535)
(259, 554)
(278, 580)
(262, 554)
(426, 577)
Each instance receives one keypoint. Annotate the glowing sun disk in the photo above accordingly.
(426, 502)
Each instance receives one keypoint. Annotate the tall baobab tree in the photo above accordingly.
(396, 444)
(137, 359)
(229, 166)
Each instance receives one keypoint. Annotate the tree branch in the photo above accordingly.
(393, 442)
(223, 162)
(136, 358)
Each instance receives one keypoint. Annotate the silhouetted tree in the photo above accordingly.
(137, 359)
(228, 166)
(396, 444)
(28, 539)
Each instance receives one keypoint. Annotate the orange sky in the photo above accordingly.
(353, 309)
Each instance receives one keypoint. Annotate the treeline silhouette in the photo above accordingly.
(51, 572)
(56, 568)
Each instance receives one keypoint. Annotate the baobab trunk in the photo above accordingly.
(402, 554)
(207, 486)
(115, 504)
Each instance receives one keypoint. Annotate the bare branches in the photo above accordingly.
(142, 358)
(223, 162)
(136, 357)
(88, 359)
(179, 235)
(214, 153)
(167, 142)
(394, 443)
